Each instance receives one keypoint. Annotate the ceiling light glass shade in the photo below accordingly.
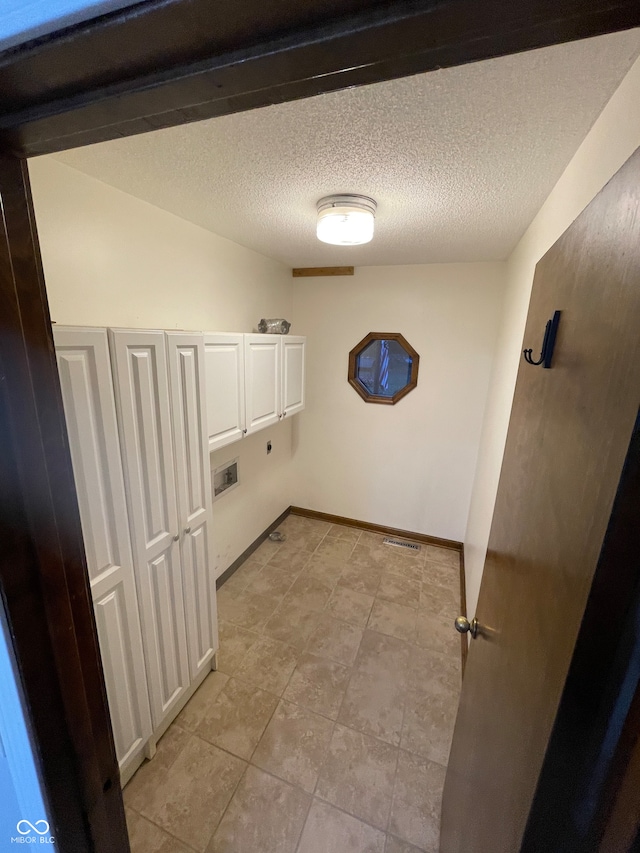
(346, 220)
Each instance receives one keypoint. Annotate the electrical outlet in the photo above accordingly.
(268, 448)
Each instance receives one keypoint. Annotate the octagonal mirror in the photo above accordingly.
(383, 367)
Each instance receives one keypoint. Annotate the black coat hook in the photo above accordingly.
(548, 343)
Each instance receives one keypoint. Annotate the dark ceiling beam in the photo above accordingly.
(165, 63)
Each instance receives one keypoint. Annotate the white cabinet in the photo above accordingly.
(87, 392)
(224, 360)
(186, 356)
(144, 411)
(293, 357)
(252, 382)
(262, 379)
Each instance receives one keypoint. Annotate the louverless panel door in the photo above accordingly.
(568, 437)
(224, 360)
(262, 370)
(144, 413)
(87, 392)
(186, 357)
(293, 349)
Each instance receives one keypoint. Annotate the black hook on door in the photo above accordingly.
(548, 343)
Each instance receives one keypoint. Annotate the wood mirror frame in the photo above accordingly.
(356, 383)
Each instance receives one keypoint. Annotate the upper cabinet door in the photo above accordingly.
(293, 374)
(89, 406)
(144, 414)
(186, 357)
(262, 381)
(224, 361)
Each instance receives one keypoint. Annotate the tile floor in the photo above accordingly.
(327, 727)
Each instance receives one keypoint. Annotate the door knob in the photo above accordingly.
(187, 530)
(463, 626)
(176, 537)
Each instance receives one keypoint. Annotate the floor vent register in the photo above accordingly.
(400, 544)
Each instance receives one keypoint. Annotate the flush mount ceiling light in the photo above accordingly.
(346, 220)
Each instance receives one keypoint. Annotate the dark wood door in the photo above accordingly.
(568, 436)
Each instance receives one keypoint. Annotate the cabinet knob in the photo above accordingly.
(187, 530)
(284, 414)
(176, 537)
(244, 432)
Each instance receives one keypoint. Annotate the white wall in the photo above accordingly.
(113, 260)
(611, 141)
(410, 465)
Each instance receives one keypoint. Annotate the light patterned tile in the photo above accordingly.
(328, 830)
(292, 522)
(335, 549)
(190, 797)
(305, 539)
(294, 745)
(290, 559)
(325, 570)
(226, 595)
(396, 845)
(237, 718)
(149, 775)
(191, 715)
(358, 776)
(371, 539)
(445, 556)
(146, 837)
(341, 531)
(350, 606)
(235, 584)
(393, 619)
(405, 566)
(245, 573)
(370, 556)
(310, 525)
(318, 684)
(310, 593)
(265, 815)
(373, 706)
(292, 623)
(235, 642)
(437, 633)
(386, 658)
(431, 671)
(428, 725)
(271, 581)
(269, 664)
(247, 609)
(439, 601)
(361, 578)
(266, 551)
(336, 640)
(405, 591)
(441, 575)
(417, 800)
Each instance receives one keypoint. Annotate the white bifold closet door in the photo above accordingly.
(186, 355)
(144, 411)
(87, 392)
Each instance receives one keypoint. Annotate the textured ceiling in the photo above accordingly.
(459, 160)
